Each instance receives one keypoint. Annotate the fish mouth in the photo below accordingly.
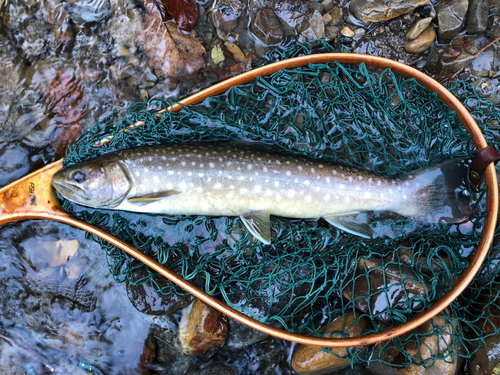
(70, 192)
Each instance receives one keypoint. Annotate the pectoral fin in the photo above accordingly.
(259, 224)
(354, 223)
(146, 198)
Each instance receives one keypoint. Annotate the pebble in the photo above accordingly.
(327, 19)
(486, 359)
(309, 359)
(204, 329)
(451, 16)
(459, 54)
(395, 26)
(371, 294)
(267, 27)
(336, 14)
(477, 16)
(422, 42)
(327, 5)
(382, 10)
(331, 32)
(226, 14)
(486, 62)
(418, 28)
(83, 11)
(346, 31)
(314, 28)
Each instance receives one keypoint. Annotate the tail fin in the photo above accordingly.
(438, 193)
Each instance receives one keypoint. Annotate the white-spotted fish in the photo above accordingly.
(230, 180)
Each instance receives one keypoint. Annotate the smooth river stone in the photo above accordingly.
(418, 28)
(205, 329)
(477, 16)
(308, 359)
(382, 10)
(422, 42)
(267, 27)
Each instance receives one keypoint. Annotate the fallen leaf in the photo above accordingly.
(173, 53)
(184, 12)
(234, 61)
(217, 55)
(66, 101)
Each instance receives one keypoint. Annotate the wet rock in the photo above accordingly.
(485, 64)
(346, 31)
(241, 336)
(313, 28)
(427, 10)
(376, 281)
(422, 42)
(164, 347)
(147, 300)
(267, 27)
(124, 25)
(395, 26)
(486, 359)
(336, 14)
(382, 10)
(308, 359)
(313, 5)
(477, 16)
(418, 28)
(489, 88)
(436, 337)
(459, 54)
(83, 11)
(226, 13)
(205, 328)
(327, 5)
(293, 16)
(451, 16)
(327, 19)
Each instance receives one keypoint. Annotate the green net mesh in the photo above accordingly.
(313, 273)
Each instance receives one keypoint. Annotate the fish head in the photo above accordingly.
(98, 183)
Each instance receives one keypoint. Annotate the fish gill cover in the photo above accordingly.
(312, 273)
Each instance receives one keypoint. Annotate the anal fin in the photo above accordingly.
(354, 223)
(259, 224)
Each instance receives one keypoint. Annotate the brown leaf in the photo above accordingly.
(66, 101)
(174, 53)
(184, 12)
(235, 62)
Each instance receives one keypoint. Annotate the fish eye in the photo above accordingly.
(78, 176)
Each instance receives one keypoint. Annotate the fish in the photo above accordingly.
(219, 179)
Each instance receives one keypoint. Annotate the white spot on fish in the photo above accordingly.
(269, 192)
(257, 188)
(190, 174)
(317, 188)
(209, 179)
(150, 158)
(211, 165)
(202, 165)
(183, 163)
(276, 183)
(360, 178)
(404, 196)
(334, 172)
(241, 178)
(379, 182)
(264, 169)
(163, 158)
(170, 186)
(229, 163)
(199, 189)
(299, 167)
(368, 194)
(407, 183)
(156, 179)
(143, 187)
(256, 173)
(155, 190)
(321, 166)
(193, 163)
(137, 174)
(217, 185)
(308, 198)
(296, 180)
(307, 182)
(146, 170)
(341, 186)
(313, 170)
(191, 185)
(288, 173)
(291, 193)
(278, 197)
(327, 197)
(229, 195)
(347, 199)
(243, 191)
(249, 166)
(350, 179)
(370, 180)
(160, 168)
(230, 177)
(390, 191)
(328, 180)
(171, 172)
(182, 185)
(200, 174)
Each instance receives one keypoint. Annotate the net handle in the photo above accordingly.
(32, 197)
